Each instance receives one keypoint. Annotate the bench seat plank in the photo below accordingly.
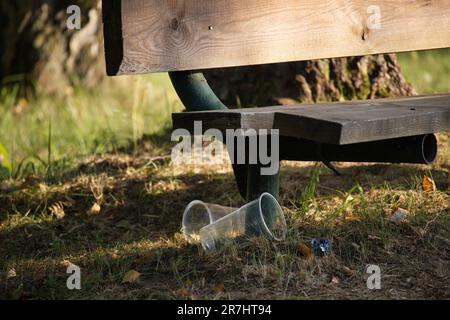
(336, 123)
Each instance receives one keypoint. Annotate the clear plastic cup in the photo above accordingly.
(261, 217)
(199, 214)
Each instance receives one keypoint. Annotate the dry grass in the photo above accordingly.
(120, 212)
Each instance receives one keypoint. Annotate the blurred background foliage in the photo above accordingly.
(57, 105)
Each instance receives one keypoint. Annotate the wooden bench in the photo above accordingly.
(185, 36)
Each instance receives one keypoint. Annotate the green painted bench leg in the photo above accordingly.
(194, 91)
(197, 95)
(257, 184)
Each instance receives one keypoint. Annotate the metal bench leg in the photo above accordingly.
(258, 184)
(194, 91)
(196, 95)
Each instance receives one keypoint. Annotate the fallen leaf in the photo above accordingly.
(115, 255)
(351, 217)
(57, 210)
(95, 209)
(347, 271)
(182, 292)
(304, 250)
(131, 276)
(21, 105)
(428, 184)
(11, 273)
(66, 263)
(220, 287)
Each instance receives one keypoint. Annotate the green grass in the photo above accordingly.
(47, 133)
(96, 149)
(428, 71)
(138, 228)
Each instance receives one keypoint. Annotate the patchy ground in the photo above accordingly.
(122, 212)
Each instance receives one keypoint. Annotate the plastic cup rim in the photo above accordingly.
(186, 211)
(262, 216)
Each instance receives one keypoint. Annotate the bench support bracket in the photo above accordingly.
(196, 95)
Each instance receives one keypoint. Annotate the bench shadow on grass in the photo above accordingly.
(137, 226)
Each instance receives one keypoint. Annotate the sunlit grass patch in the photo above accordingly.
(47, 133)
(96, 188)
(139, 228)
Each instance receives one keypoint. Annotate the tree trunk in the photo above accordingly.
(39, 50)
(337, 79)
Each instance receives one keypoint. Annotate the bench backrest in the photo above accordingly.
(144, 36)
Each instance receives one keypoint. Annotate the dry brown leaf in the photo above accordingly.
(131, 276)
(351, 217)
(182, 292)
(428, 184)
(57, 210)
(347, 271)
(115, 255)
(11, 273)
(95, 209)
(305, 250)
(66, 263)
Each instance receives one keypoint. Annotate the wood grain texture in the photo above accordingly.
(335, 123)
(169, 35)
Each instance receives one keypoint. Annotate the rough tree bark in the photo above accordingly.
(38, 50)
(338, 79)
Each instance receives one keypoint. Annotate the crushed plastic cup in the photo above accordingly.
(199, 214)
(261, 217)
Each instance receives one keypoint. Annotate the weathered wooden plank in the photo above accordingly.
(168, 35)
(335, 123)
